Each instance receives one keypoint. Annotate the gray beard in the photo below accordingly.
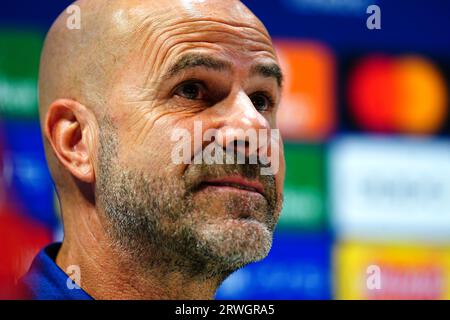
(159, 223)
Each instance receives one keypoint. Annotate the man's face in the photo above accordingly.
(203, 68)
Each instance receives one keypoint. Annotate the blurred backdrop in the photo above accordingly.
(365, 118)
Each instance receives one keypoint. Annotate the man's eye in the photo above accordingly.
(261, 101)
(191, 91)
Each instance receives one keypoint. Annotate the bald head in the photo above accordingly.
(82, 64)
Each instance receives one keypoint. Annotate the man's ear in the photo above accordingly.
(69, 128)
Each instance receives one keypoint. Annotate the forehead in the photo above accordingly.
(160, 34)
(232, 9)
(236, 40)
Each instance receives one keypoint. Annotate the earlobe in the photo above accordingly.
(67, 130)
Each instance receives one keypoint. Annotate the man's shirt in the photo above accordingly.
(47, 281)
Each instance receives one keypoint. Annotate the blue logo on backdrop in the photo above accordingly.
(298, 267)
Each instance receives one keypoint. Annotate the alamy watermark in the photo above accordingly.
(74, 277)
(373, 280)
(250, 146)
(73, 21)
(373, 22)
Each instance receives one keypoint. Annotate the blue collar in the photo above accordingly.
(46, 281)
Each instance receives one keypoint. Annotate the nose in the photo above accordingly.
(243, 129)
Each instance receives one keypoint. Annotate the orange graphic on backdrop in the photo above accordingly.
(307, 110)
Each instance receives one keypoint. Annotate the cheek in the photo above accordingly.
(148, 151)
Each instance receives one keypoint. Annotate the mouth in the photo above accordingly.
(235, 182)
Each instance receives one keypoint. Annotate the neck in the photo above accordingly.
(109, 273)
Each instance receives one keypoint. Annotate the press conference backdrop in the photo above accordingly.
(365, 119)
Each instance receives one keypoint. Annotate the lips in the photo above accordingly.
(237, 182)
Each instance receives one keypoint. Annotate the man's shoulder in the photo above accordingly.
(46, 281)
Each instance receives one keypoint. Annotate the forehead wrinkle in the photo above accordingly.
(199, 26)
(168, 40)
(165, 36)
(211, 22)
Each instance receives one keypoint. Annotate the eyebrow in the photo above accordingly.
(194, 60)
(271, 70)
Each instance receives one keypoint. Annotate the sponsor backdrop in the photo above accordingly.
(365, 119)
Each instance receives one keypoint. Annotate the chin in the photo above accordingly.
(236, 242)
